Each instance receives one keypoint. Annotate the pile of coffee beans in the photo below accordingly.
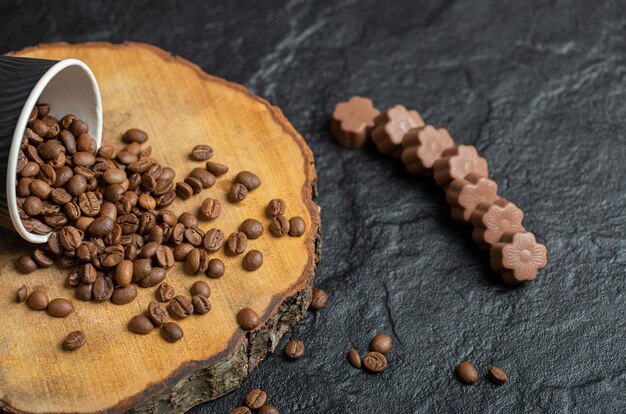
(255, 401)
(374, 361)
(467, 373)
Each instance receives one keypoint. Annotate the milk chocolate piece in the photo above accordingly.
(391, 126)
(353, 121)
(492, 220)
(518, 257)
(464, 194)
(457, 162)
(423, 146)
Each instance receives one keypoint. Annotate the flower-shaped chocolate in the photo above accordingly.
(422, 146)
(464, 194)
(391, 126)
(457, 162)
(492, 220)
(518, 257)
(353, 121)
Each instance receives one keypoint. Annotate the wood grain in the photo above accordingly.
(179, 106)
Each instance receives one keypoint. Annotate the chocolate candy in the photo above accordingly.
(391, 126)
(353, 121)
(491, 220)
(518, 257)
(423, 146)
(458, 162)
(464, 194)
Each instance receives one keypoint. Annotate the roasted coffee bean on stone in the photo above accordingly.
(381, 343)
(240, 410)
(354, 358)
(268, 409)
(279, 226)
(256, 398)
(466, 372)
(253, 229)
(497, 375)
(375, 362)
(294, 350)
(319, 298)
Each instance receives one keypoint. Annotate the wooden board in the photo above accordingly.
(179, 106)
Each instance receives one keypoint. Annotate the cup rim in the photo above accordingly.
(18, 134)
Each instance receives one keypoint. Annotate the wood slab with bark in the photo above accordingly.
(116, 371)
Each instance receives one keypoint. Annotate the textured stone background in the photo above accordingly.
(539, 87)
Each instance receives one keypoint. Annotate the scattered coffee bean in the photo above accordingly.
(253, 229)
(124, 295)
(279, 226)
(84, 291)
(319, 298)
(38, 300)
(248, 179)
(22, 294)
(237, 243)
(157, 313)
(206, 178)
(156, 276)
(240, 410)
(268, 409)
(354, 358)
(180, 307)
(164, 292)
(216, 268)
(140, 324)
(60, 308)
(213, 240)
(253, 260)
(201, 304)
(276, 207)
(200, 288)
(171, 332)
(216, 169)
(211, 209)
(182, 250)
(294, 350)
(25, 264)
(102, 289)
(497, 375)
(466, 372)
(183, 190)
(74, 340)
(375, 362)
(248, 319)
(201, 152)
(296, 226)
(381, 343)
(124, 273)
(236, 194)
(256, 398)
(195, 184)
(135, 135)
(42, 258)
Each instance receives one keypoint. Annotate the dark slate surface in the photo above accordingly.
(539, 87)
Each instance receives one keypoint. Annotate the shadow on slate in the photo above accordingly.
(539, 87)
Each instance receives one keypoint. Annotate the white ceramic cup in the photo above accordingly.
(68, 86)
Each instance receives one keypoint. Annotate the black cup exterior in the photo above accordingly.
(18, 77)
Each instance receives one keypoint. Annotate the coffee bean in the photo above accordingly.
(40, 189)
(178, 234)
(141, 269)
(78, 128)
(38, 300)
(166, 199)
(279, 226)
(112, 256)
(124, 295)
(31, 169)
(200, 288)
(237, 193)
(149, 250)
(211, 209)
(135, 135)
(375, 362)
(114, 176)
(23, 187)
(74, 340)
(84, 291)
(268, 409)
(181, 251)
(294, 350)
(201, 304)
(253, 260)
(126, 158)
(124, 273)
(140, 324)
(84, 159)
(165, 257)
(22, 294)
(49, 150)
(109, 209)
(60, 308)
(114, 192)
(156, 235)
(164, 293)
(156, 276)
(60, 196)
(497, 375)
(47, 174)
(237, 243)
(158, 314)
(88, 273)
(319, 298)
(201, 153)
(216, 169)
(466, 372)
(106, 152)
(194, 236)
(180, 307)
(213, 240)
(248, 319)
(215, 269)
(250, 180)
(253, 229)
(101, 226)
(171, 332)
(354, 358)
(296, 226)
(240, 410)
(256, 398)
(103, 289)
(42, 258)
(206, 178)
(192, 262)
(183, 190)
(76, 185)
(276, 207)
(381, 343)
(25, 264)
